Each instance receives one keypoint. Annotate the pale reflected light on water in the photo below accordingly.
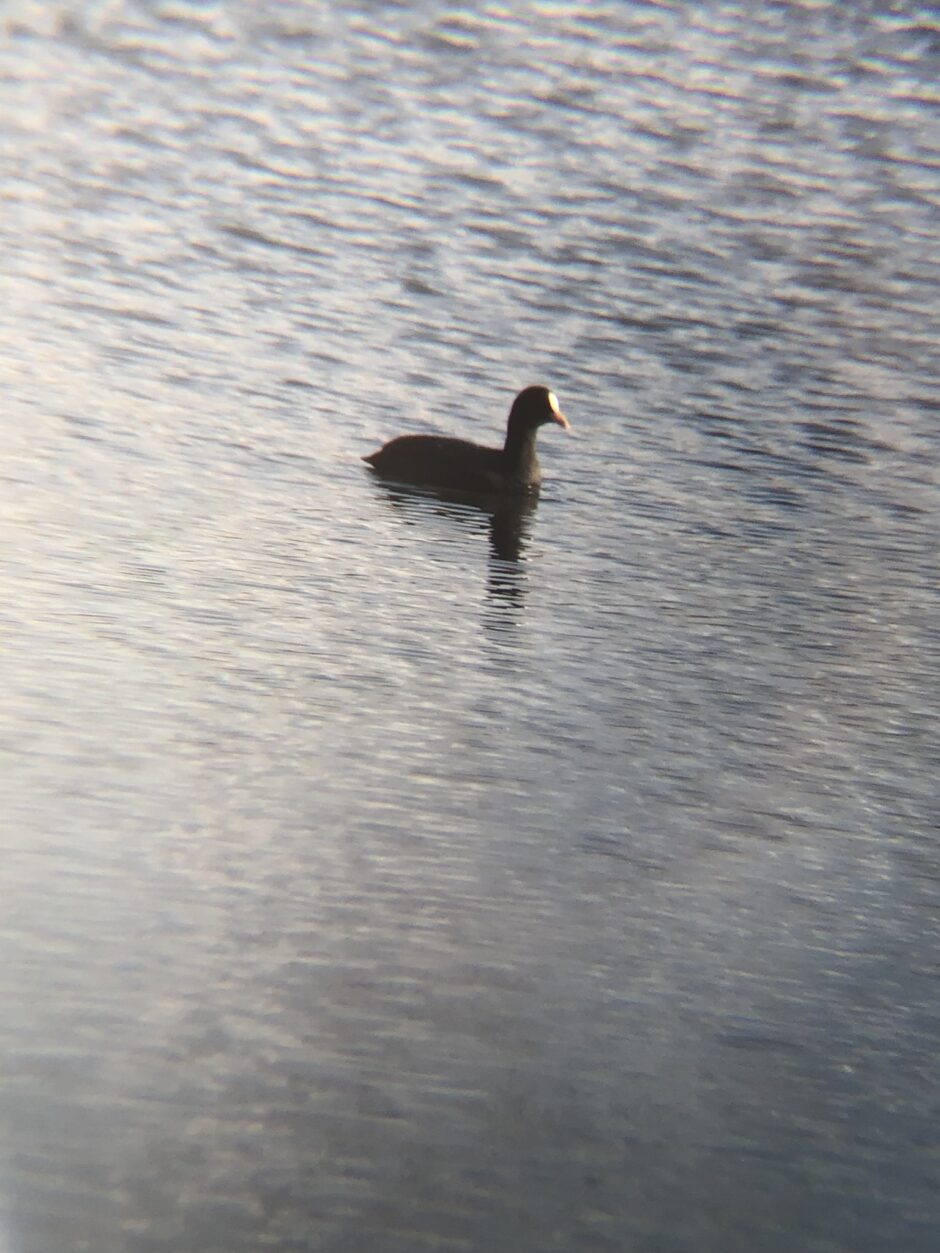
(387, 872)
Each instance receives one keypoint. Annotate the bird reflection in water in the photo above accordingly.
(508, 520)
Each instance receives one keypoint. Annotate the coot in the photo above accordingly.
(462, 466)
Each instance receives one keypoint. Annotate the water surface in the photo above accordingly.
(383, 875)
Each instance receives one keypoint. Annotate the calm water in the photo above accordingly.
(382, 876)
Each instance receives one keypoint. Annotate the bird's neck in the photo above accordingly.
(519, 451)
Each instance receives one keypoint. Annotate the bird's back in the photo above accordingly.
(441, 461)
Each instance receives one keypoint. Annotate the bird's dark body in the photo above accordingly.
(460, 465)
(457, 464)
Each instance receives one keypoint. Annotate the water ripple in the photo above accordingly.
(383, 871)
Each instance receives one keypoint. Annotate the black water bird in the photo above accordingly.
(460, 465)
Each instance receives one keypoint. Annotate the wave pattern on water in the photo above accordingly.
(385, 871)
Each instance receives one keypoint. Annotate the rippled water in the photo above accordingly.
(383, 875)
